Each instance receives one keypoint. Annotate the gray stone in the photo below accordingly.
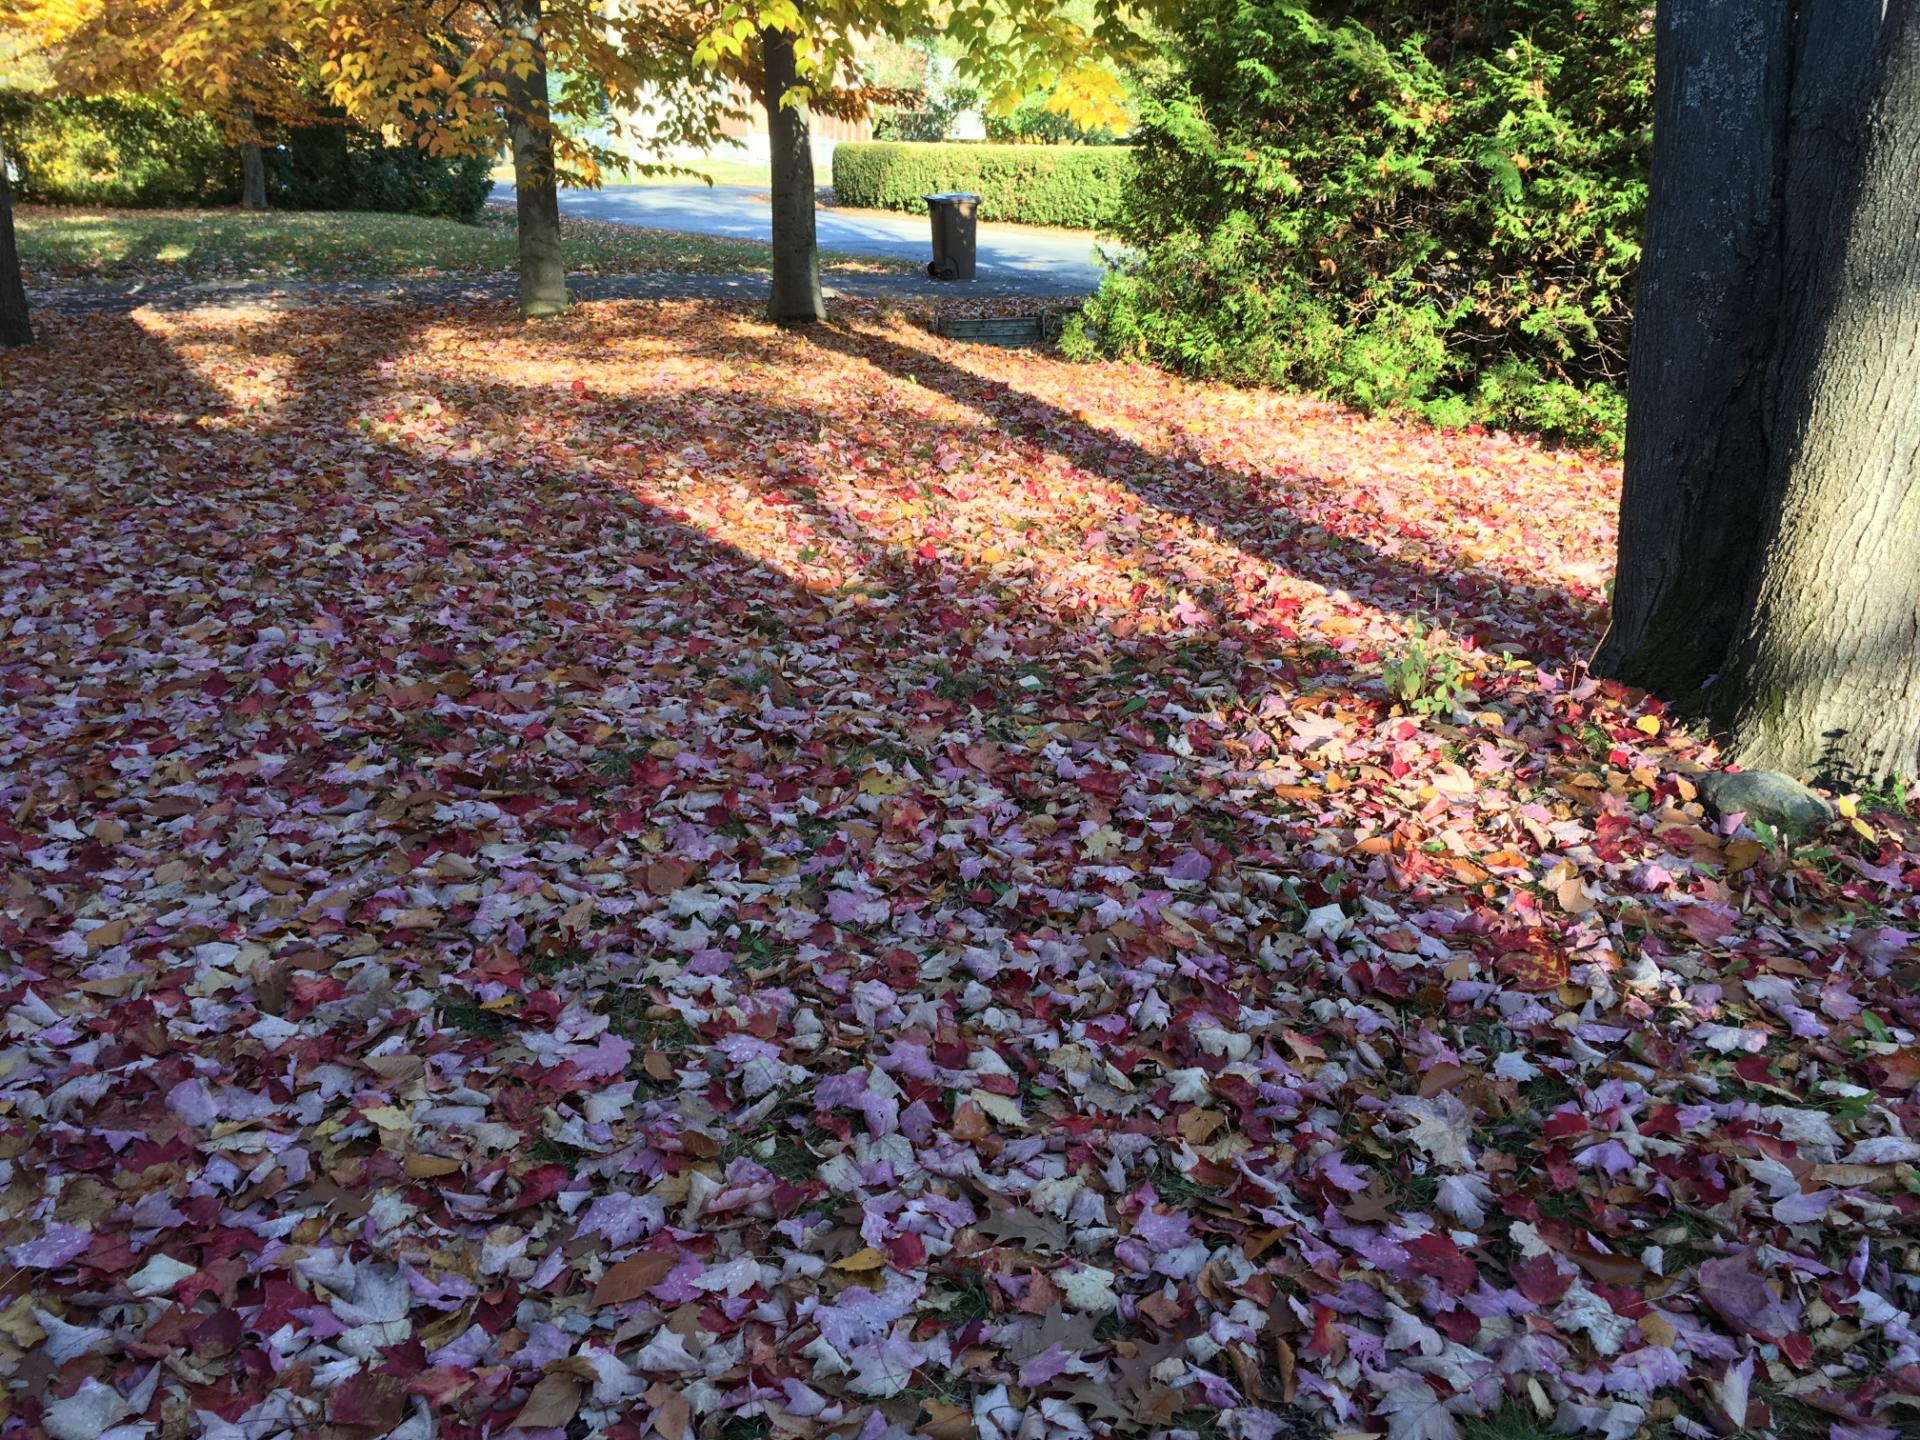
(1766, 795)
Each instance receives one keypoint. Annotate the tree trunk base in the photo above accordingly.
(16, 326)
(796, 300)
(536, 194)
(253, 177)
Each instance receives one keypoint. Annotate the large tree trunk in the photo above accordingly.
(253, 170)
(796, 253)
(15, 326)
(1827, 680)
(536, 193)
(1771, 508)
(1696, 452)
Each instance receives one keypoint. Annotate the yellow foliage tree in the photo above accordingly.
(468, 77)
(567, 85)
(792, 54)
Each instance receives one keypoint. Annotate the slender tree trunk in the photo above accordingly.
(1827, 680)
(253, 170)
(543, 272)
(15, 326)
(796, 254)
(1696, 452)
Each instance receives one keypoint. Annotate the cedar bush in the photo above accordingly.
(1431, 205)
(337, 167)
(1070, 185)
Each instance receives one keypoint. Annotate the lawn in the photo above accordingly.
(147, 245)
(652, 872)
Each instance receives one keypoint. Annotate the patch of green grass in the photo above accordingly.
(962, 687)
(971, 1299)
(1684, 1234)
(1176, 1189)
(549, 1151)
(870, 754)
(1547, 1092)
(790, 1160)
(616, 764)
(1225, 829)
(1557, 1205)
(627, 1018)
(1204, 1423)
(744, 1427)
(555, 962)
(949, 1387)
(123, 245)
(1415, 1192)
(763, 950)
(1512, 1421)
(475, 1020)
(817, 830)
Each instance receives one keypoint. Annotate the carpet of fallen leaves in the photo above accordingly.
(651, 875)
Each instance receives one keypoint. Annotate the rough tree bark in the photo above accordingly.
(796, 298)
(1767, 517)
(253, 170)
(16, 328)
(536, 192)
(1696, 371)
(1827, 677)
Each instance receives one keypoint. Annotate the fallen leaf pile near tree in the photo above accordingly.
(653, 875)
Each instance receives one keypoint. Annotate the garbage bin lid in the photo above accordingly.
(952, 195)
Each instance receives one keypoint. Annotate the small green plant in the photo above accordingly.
(1425, 678)
(1893, 796)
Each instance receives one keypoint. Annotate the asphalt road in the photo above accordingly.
(1009, 257)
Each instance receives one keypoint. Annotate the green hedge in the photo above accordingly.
(1077, 186)
(128, 151)
(1424, 205)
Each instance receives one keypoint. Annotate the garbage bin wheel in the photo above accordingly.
(948, 270)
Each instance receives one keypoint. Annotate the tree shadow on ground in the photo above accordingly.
(1441, 585)
(432, 588)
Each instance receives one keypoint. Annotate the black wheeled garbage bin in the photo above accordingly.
(953, 234)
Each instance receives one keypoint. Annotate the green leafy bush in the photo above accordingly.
(1071, 185)
(334, 167)
(121, 151)
(1419, 204)
(150, 152)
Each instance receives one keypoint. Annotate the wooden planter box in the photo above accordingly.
(1010, 332)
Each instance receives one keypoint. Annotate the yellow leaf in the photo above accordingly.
(861, 1260)
(1647, 725)
(18, 1325)
(1000, 1107)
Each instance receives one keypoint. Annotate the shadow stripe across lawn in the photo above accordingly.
(123, 245)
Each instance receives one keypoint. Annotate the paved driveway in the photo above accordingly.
(1010, 257)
